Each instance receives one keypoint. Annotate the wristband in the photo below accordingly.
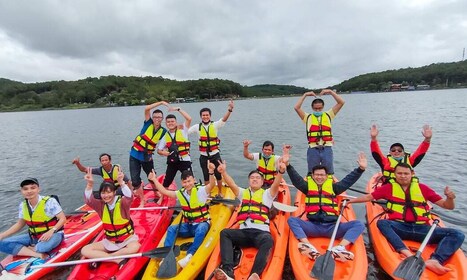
(281, 172)
(210, 174)
(178, 109)
(54, 229)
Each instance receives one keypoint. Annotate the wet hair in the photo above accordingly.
(158, 111)
(104, 154)
(319, 167)
(404, 165)
(317, 101)
(186, 174)
(107, 186)
(170, 116)
(257, 172)
(204, 110)
(268, 143)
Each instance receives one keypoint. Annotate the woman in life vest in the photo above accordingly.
(44, 217)
(114, 210)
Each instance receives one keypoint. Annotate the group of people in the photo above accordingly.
(45, 217)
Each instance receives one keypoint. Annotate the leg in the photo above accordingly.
(449, 240)
(135, 171)
(264, 242)
(147, 166)
(392, 231)
(327, 159)
(12, 245)
(216, 159)
(349, 232)
(203, 163)
(130, 248)
(229, 238)
(49, 245)
(303, 229)
(312, 158)
(170, 174)
(199, 231)
(171, 233)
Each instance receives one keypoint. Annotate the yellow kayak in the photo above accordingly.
(220, 215)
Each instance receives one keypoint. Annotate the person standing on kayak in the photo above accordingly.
(322, 209)
(114, 211)
(409, 219)
(196, 218)
(318, 129)
(254, 222)
(208, 142)
(266, 162)
(175, 145)
(397, 153)
(108, 171)
(144, 145)
(45, 219)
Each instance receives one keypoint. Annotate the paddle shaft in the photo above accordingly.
(334, 232)
(427, 237)
(87, 261)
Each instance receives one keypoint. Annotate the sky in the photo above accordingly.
(313, 44)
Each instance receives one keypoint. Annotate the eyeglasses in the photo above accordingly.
(396, 150)
(157, 117)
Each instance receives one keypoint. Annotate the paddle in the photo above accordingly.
(168, 266)
(134, 209)
(325, 264)
(412, 267)
(155, 253)
(284, 207)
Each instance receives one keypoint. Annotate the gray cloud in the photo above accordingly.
(305, 43)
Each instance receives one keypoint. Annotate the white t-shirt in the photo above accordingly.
(162, 142)
(194, 129)
(267, 201)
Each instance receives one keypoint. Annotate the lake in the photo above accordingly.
(42, 144)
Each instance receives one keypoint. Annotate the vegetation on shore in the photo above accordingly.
(128, 91)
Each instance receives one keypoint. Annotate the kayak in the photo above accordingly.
(149, 225)
(390, 259)
(302, 265)
(280, 233)
(220, 215)
(78, 231)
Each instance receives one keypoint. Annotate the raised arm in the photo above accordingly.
(148, 108)
(374, 147)
(153, 179)
(78, 164)
(419, 154)
(222, 168)
(340, 101)
(229, 111)
(278, 179)
(448, 202)
(246, 153)
(212, 178)
(184, 114)
(89, 179)
(298, 106)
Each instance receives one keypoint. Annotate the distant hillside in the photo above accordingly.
(272, 90)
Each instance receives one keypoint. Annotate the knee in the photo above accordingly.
(172, 229)
(359, 225)
(267, 241)
(382, 224)
(292, 221)
(85, 251)
(458, 235)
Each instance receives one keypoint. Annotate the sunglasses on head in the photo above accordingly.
(396, 150)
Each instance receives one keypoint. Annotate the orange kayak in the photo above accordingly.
(280, 235)
(302, 265)
(390, 259)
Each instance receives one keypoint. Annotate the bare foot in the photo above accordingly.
(254, 276)
(436, 267)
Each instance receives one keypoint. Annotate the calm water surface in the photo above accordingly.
(42, 144)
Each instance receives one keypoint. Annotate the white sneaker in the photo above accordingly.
(341, 254)
(308, 250)
(183, 262)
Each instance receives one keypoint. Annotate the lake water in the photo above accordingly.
(42, 144)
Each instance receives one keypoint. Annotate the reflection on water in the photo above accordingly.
(42, 144)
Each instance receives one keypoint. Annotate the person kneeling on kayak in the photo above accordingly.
(196, 218)
(409, 219)
(114, 211)
(45, 218)
(322, 209)
(254, 223)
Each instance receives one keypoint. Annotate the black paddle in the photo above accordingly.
(325, 264)
(412, 267)
(168, 266)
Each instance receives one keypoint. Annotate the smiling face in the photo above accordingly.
(268, 150)
(30, 191)
(107, 195)
(256, 181)
(205, 117)
(396, 152)
(171, 123)
(319, 176)
(188, 183)
(157, 118)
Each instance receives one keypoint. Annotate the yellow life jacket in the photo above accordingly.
(253, 207)
(147, 141)
(38, 221)
(182, 143)
(112, 177)
(193, 210)
(321, 205)
(116, 228)
(208, 140)
(318, 128)
(388, 171)
(268, 168)
(399, 204)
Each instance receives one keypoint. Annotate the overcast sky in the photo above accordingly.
(305, 43)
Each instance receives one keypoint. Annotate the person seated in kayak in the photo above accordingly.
(409, 219)
(322, 209)
(318, 128)
(114, 211)
(209, 142)
(108, 171)
(254, 223)
(45, 219)
(266, 162)
(175, 146)
(196, 219)
(397, 153)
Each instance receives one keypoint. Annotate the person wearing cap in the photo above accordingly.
(45, 219)
(397, 153)
(318, 129)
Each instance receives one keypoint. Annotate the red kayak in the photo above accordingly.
(150, 226)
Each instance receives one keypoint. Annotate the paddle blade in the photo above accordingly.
(161, 252)
(168, 266)
(324, 267)
(234, 202)
(410, 269)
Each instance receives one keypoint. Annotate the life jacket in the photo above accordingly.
(112, 177)
(182, 143)
(268, 168)
(38, 221)
(193, 210)
(208, 141)
(147, 141)
(388, 171)
(253, 207)
(318, 128)
(116, 228)
(321, 204)
(398, 204)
